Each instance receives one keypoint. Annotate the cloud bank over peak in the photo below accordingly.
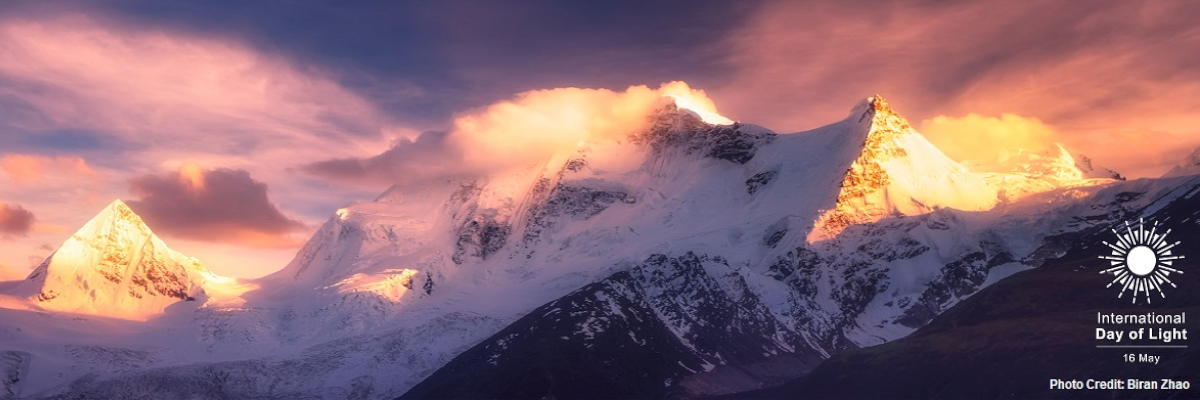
(530, 125)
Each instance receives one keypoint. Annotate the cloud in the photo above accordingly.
(135, 98)
(26, 167)
(1088, 72)
(73, 72)
(986, 140)
(15, 220)
(221, 205)
(406, 161)
(531, 126)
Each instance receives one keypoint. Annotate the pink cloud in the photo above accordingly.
(15, 220)
(1088, 72)
(167, 86)
(222, 205)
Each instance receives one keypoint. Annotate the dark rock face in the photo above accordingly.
(428, 286)
(14, 366)
(776, 232)
(663, 328)
(481, 236)
(731, 144)
(957, 280)
(759, 180)
(570, 202)
(673, 128)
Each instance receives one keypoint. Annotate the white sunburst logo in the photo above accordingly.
(1141, 261)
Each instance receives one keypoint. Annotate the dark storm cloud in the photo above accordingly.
(224, 205)
(15, 220)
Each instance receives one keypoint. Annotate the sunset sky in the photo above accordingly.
(236, 128)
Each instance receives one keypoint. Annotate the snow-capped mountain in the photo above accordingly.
(742, 256)
(115, 266)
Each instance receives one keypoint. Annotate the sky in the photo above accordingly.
(237, 128)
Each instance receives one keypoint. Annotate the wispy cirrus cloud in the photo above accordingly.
(173, 96)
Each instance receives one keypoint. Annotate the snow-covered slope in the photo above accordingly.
(115, 266)
(1029, 173)
(808, 243)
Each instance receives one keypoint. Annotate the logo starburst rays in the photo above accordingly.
(1141, 261)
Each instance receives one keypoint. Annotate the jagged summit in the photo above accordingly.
(898, 172)
(115, 266)
(691, 106)
(669, 117)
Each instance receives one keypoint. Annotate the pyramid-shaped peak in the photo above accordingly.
(897, 172)
(115, 266)
(116, 217)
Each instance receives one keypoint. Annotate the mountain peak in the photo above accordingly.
(115, 266)
(670, 116)
(119, 211)
(898, 172)
(706, 114)
(879, 104)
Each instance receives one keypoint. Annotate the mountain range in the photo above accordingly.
(684, 259)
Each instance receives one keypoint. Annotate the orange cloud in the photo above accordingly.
(541, 122)
(530, 126)
(24, 167)
(988, 140)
